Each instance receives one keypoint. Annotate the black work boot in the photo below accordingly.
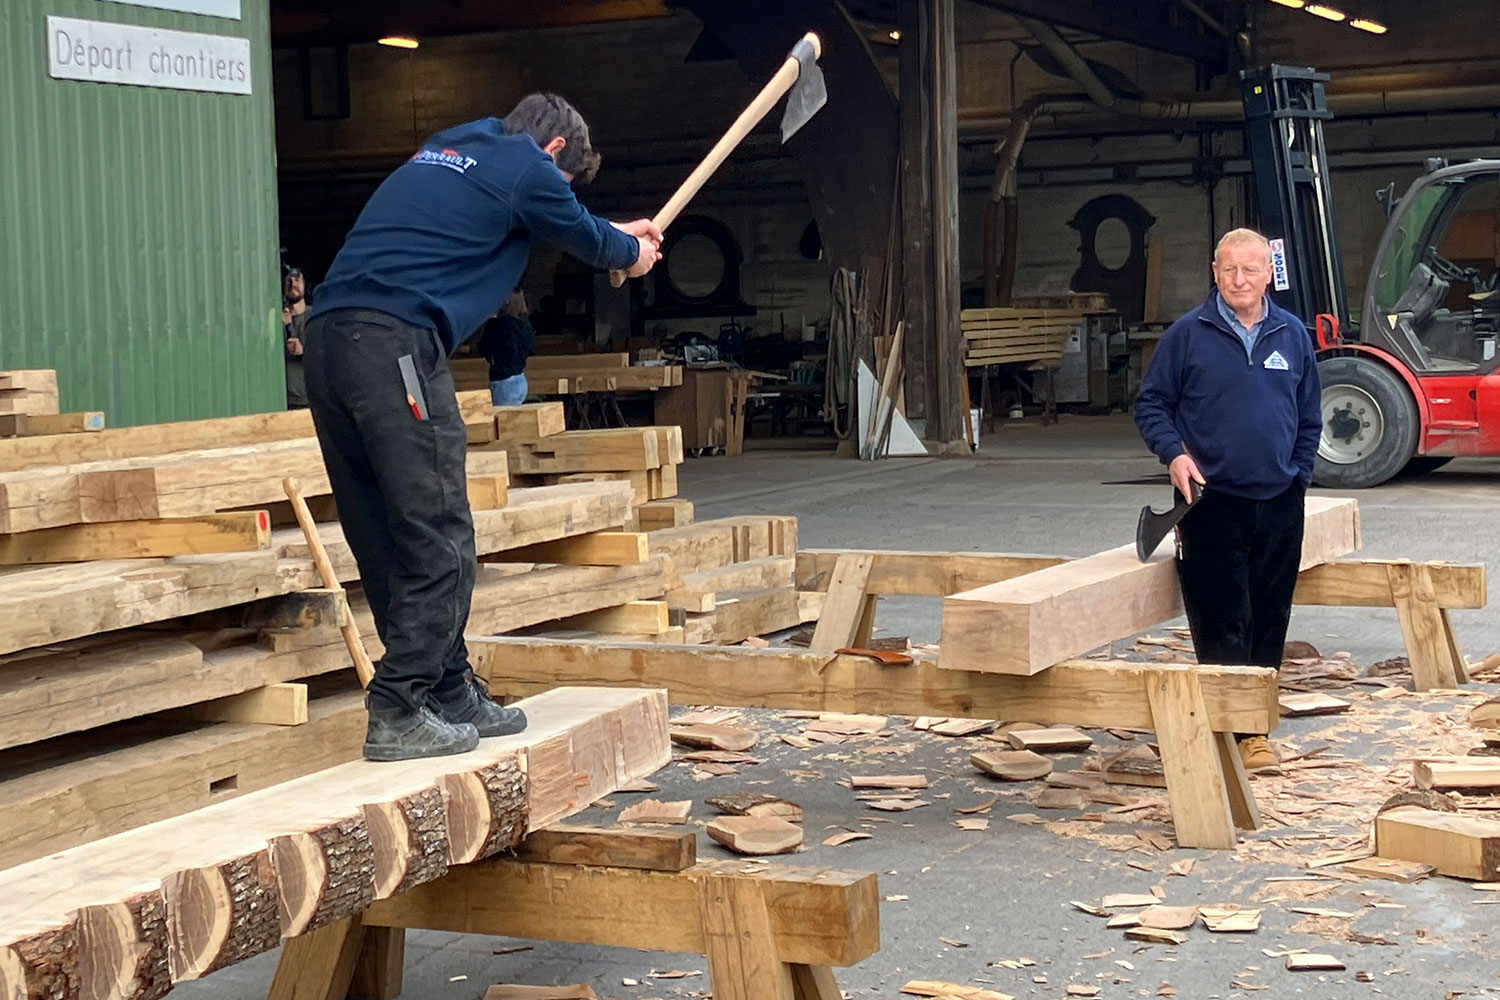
(470, 702)
(399, 733)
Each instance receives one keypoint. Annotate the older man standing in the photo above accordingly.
(1231, 403)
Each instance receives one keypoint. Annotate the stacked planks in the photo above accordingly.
(574, 374)
(1006, 336)
(30, 405)
(154, 665)
(541, 451)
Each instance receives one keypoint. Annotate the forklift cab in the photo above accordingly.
(1433, 299)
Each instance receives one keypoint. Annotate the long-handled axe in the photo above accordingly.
(802, 77)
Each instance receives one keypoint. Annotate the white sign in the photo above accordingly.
(146, 57)
(1278, 265)
(213, 8)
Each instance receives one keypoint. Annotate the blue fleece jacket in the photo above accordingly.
(445, 238)
(1249, 418)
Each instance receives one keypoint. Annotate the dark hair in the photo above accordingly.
(544, 117)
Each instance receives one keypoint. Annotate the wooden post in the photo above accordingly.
(378, 969)
(319, 965)
(1428, 646)
(845, 607)
(929, 159)
(740, 945)
(1237, 783)
(1195, 774)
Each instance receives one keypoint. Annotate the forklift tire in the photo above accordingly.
(1423, 464)
(1370, 424)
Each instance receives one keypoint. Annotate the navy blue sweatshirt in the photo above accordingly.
(1250, 419)
(445, 238)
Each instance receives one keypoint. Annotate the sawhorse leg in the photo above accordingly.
(1206, 782)
(1431, 647)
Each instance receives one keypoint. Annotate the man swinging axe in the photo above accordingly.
(1231, 403)
(439, 246)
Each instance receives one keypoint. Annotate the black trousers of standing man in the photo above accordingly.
(399, 480)
(1238, 567)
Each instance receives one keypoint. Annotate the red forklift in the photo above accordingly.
(1413, 381)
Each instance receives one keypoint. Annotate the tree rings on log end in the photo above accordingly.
(220, 914)
(410, 839)
(123, 949)
(325, 874)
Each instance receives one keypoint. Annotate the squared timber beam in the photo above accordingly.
(818, 916)
(602, 548)
(1024, 625)
(1076, 692)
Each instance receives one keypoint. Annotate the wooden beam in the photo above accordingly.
(652, 850)
(845, 607)
(273, 705)
(1024, 625)
(488, 492)
(635, 618)
(190, 435)
(1456, 772)
(1456, 844)
(40, 424)
(317, 851)
(925, 574)
(379, 967)
(1434, 659)
(1078, 692)
(529, 422)
(698, 589)
(602, 548)
(714, 544)
(739, 614)
(248, 531)
(1366, 583)
(818, 916)
(612, 450)
(740, 941)
(658, 514)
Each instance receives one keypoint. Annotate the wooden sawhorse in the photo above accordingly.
(769, 932)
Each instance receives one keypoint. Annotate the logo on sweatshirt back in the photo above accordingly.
(450, 158)
(1277, 362)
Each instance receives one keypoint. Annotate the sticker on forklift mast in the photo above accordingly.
(1278, 265)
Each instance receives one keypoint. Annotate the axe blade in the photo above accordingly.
(808, 94)
(1152, 527)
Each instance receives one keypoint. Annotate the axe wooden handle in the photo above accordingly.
(785, 77)
(362, 665)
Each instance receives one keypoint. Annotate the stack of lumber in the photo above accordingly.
(1008, 336)
(573, 374)
(541, 451)
(160, 651)
(29, 405)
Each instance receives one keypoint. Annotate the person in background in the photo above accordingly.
(1231, 403)
(507, 341)
(437, 249)
(293, 324)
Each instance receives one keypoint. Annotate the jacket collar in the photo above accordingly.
(1274, 319)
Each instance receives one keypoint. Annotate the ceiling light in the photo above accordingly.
(1294, 4)
(1328, 13)
(399, 42)
(1365, 24)
(895, 36)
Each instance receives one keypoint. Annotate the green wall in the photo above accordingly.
(138, 233)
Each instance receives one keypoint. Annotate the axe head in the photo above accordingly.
(809, 93)
(1152, 527)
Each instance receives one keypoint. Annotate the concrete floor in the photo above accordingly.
(1073, 489)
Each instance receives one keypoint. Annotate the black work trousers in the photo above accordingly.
(1238, 562)
(399, 481)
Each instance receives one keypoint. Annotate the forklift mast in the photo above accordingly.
(1285, 108)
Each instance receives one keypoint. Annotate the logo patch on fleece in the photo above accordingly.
(1277, 362)
(450, 158)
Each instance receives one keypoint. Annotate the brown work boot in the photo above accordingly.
(1258, 754)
